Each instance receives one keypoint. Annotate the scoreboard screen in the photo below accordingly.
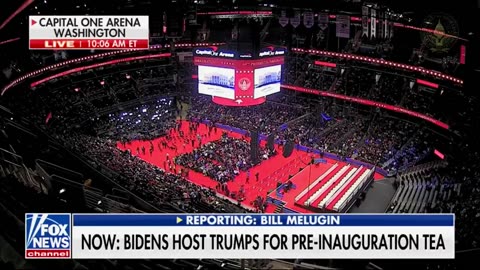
(238, 78)
(267, 80)
(216, 81)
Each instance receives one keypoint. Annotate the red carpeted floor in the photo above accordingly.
(271, 171)
(252, 189)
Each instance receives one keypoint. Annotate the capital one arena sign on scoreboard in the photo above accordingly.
(88, 32)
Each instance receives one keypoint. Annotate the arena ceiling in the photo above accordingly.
(15, 26)
(156, 8)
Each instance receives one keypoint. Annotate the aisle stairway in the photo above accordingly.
(279, 208)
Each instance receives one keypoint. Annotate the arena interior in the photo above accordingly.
(383, 122)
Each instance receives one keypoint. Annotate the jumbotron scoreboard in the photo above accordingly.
(239, 78)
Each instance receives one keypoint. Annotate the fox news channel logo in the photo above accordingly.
(47, 236)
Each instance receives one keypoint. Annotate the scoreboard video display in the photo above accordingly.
(216, 81)
(238, 78)
(267, 81)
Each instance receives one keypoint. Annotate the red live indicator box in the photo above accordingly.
(88, 44)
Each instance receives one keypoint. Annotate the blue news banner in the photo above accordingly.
(239, 236)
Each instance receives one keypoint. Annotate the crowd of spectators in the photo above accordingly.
(71, 100)
(306, 131)
(390, 89)
(266, 118)
(372, 137)
(335, 136)
(222, 160)
(465, 206)
(150, 182)
(388, 142)
(355, 80)
(302, 71)
(348, 145)
(418, 101)
(378, 142)
(384, 140)
(147, 121)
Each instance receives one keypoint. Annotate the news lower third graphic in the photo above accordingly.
(237, 236)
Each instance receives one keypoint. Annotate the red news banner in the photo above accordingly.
(88, 32)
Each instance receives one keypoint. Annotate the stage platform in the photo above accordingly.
(271, 172)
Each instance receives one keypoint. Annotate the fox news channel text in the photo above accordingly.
(239, 236)
(88, 32)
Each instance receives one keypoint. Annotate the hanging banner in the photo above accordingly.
(390, 28)
(463, 54)
(343, 26)
(283, 20)
(373, 23)
(323, 21)
(386, 23)
(308, 19)
(380, 24)
(295, 21)
(365, 29)
(192, 17)
(235, 33)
